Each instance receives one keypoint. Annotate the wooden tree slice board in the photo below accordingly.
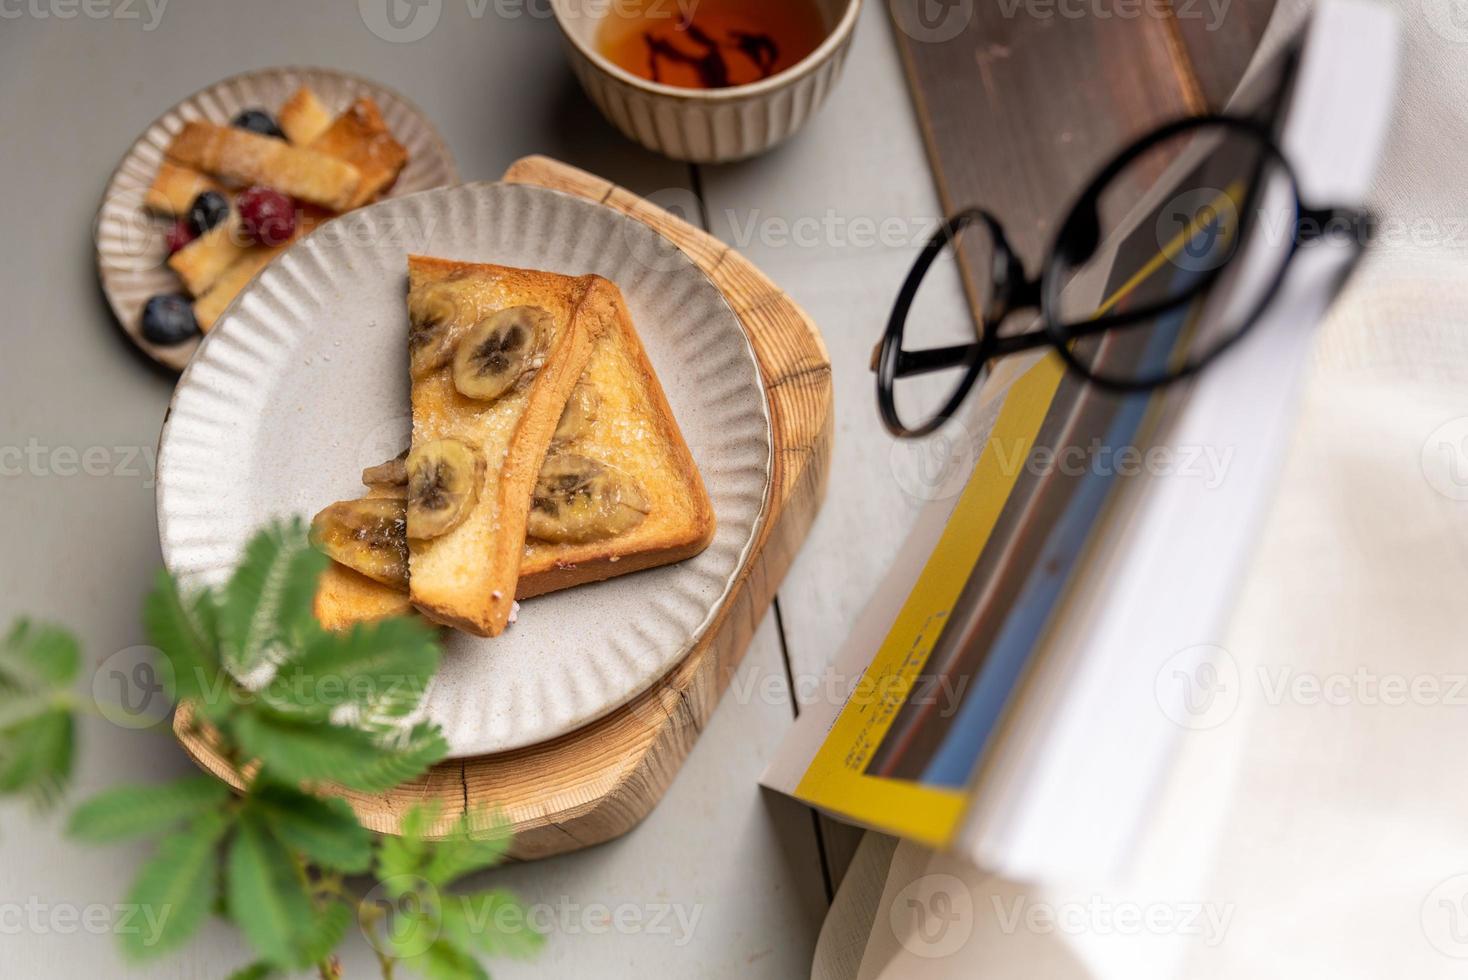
(597, 783)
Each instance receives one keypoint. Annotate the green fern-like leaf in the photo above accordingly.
(176, 888)
(255, 971)
(380, 671)
(401, 858)
(17, 708)
(466, 851)
(267, 604)
(186, 632)
(402, 758)
(418, 823)
(295, 750)
(38, 658)
(324, 830)
(327, 929)
(492, 922)
(398, 866)
(38, 665)
(267, 897)
(36, 757)
(138, 811)
(445, 961)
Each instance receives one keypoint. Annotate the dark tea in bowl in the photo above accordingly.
(707, 80)
(710, 44)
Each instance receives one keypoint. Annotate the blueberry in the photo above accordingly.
(258, 121)
(208, 210)
(169, 320)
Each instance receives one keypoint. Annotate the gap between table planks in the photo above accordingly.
(597, 783)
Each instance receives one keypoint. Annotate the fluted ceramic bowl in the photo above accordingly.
(706, 125)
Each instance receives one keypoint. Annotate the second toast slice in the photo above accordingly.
(495, 353)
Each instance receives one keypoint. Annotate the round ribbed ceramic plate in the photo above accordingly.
(131, 248)
(304, 382)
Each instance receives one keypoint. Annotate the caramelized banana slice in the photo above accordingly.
(443, 483)
(578, 499)
(391, 475)
(432, 313)
(369, 536)
(580, 412)
(501, 349)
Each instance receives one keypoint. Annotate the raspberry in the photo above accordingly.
(267, 216)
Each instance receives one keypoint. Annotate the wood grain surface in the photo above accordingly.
(597, 783)
(1031, 97)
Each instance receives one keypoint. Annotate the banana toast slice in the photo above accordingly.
(617, 415)
(494, 354)
(619, 419)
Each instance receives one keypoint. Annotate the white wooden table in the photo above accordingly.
(750, 874)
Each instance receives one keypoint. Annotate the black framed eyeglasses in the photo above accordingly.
(1233, 213)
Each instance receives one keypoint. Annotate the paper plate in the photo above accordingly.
(304, 382)
(131, 247)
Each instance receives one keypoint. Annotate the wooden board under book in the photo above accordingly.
(598, 782)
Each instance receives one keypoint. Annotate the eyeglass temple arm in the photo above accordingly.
(1350, 223)
(914, 362)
